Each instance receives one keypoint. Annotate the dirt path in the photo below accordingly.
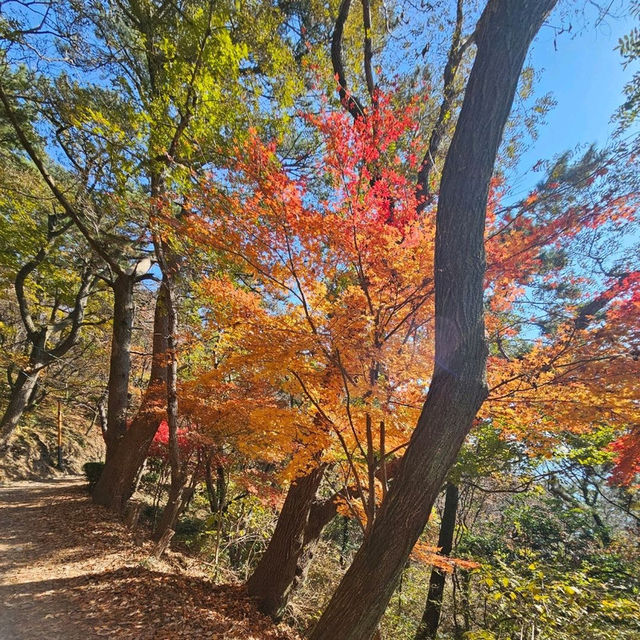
(70, 570)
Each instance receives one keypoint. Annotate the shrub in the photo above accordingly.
(93, 471)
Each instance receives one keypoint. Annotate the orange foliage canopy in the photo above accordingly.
(322, 317)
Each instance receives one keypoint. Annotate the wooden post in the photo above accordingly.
(59, 434)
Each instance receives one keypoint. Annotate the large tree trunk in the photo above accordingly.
(21, 392)
(285, 560)
(121, 469)
(282, 580)
(179, 466)
(458, 385)
(24, 387)
(120, 362)
(431, 617)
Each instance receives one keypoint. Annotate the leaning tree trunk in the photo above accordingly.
(174, 503)
(458, 385)
(24, 388)
(282, 580)
(284, 562)
(21, 392)
(25, 385)
(430, 622)
(120, 362)
(121, 469)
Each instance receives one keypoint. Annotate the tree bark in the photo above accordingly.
(179, 468)
(120, 362)
(133, 514)
(172, 508)
(431, 617)
(18, 401)
(217, 494)
(120, 471)
(180, 495)
(283, 564)
(458, 385)
(163, 543)
(284, 581)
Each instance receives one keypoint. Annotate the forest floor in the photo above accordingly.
(70, 569)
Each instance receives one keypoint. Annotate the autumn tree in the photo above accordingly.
(371, 126)
(627, 446)
(457, 386)
(229, 406)
(346, 346)
(280, 258)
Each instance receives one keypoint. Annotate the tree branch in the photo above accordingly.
(456, 51)
(350, 103)
(51, 183)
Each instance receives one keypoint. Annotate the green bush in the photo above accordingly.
(189, 526)
(93, 471)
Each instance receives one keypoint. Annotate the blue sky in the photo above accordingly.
(584, 73)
